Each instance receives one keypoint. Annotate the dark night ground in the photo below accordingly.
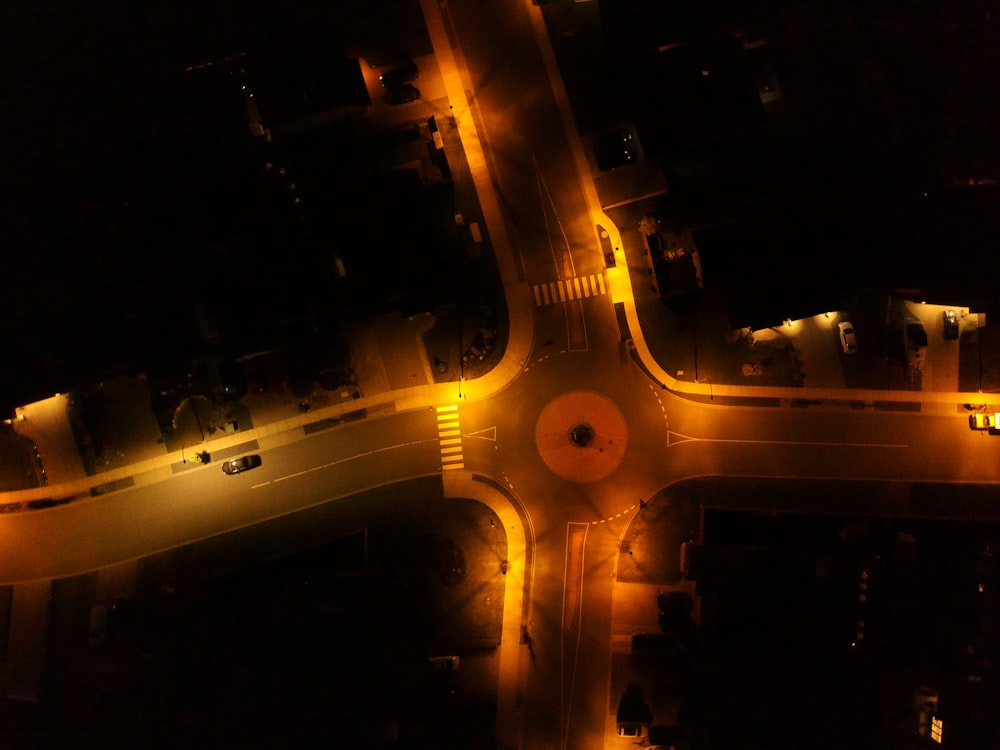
(118, 222)
(782, 627)
(125, 204)
(780, 607)
(296, 652)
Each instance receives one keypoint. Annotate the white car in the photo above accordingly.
(981, 421)
(848, 341)
(631, 729)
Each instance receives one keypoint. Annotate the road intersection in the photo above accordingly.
(566, 440)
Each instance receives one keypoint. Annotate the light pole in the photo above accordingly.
(197, 419)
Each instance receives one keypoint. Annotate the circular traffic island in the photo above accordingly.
(581, 436)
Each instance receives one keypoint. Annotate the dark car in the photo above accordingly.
(239, 465)
(402, 94)
(396, 77)
(445, 670)
(951, 327)
(256, 377)
(653, 644)
(615, 149)
(229, 381)
(915, 343)
(657, 651)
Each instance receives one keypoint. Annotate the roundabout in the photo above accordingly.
(581, 436)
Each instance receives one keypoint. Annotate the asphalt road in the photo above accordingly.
(171, 510)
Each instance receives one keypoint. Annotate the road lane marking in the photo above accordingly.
(572, 614)
(688, 439)
(292, 476)
(627, 511)
(339, 462)
(490, 433)
(576, 328)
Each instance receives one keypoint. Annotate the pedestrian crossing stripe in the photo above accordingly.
(577, 287)
(449, 437)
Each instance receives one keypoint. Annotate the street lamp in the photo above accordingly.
(197, 419)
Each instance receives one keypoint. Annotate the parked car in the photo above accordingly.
(848, 340)
(652, 644)
(915, 344)
(399, 75)
(241, 464)
(228, 381)
(256, 377)
(951, 327)
(768, 87)
(445, 669)
(98, 624)
(445, 664)
(981, 421)
(402, 94)
(631, 729)
(614, 149)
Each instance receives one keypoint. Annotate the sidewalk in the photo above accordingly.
(46, 424)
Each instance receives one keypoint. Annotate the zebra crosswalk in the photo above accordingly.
(450, 437)
(563, 290)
